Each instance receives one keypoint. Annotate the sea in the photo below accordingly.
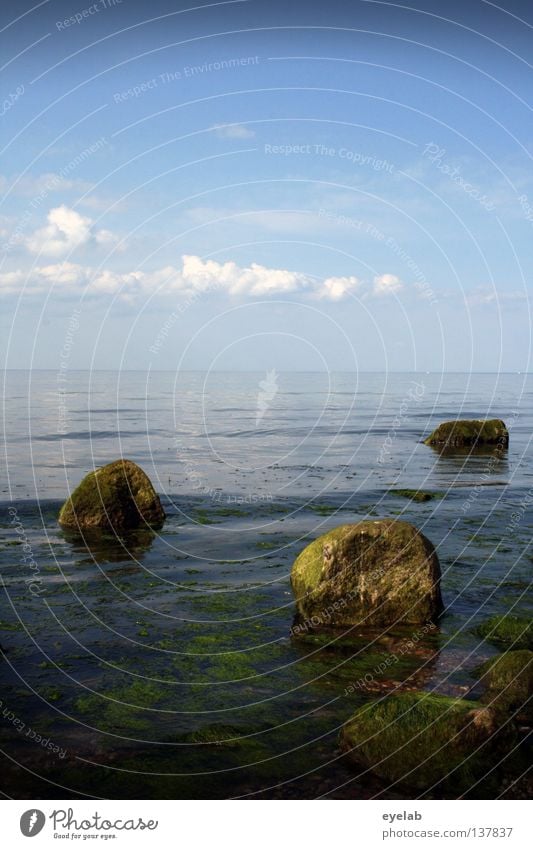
(166, 664)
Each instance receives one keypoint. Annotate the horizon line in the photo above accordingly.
(256, 370)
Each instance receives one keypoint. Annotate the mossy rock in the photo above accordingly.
(464, 433)
(508, 682)
(507, 630)
(376, 572)
(116, 497)
(422, 739)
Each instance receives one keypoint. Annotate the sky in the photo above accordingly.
(266, 185)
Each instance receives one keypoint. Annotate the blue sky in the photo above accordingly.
(266, 185)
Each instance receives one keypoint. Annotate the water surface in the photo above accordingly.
(163, 665)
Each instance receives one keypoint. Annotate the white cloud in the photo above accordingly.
(387, 284)
(336, 288)
(194, 277)
(65, 231)
(11, 282)
(105, 237)
(255, 280)
(233, 131)
(62, 275)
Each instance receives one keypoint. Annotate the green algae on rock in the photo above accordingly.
(507, 630)
(463, 433)
(415, 494)
(508, 680)
(376, 572)
(218, 735)
(118, 497)
(422, 739)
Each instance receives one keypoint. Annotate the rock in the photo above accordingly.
(459, 434)
(422, 739)
(508, 680)
(118, 497)
(507, 630)
(379, 572)
(415, 494)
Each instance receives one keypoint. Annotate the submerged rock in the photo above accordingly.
(508, 680)
(507, 630)
(422, 739)
(415, 494)
(463, 433)
(220, 736)
(118, 497)
(379, 572)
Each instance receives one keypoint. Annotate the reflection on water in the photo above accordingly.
(107, 547)
(468, 467)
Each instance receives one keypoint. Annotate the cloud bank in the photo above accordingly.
(195, 276)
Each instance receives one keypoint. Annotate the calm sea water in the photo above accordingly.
(162, 664)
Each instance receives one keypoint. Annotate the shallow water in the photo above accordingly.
(163, 664)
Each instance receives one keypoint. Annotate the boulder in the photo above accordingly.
(382, 572)
(422, 739)
(465, 433)
(116, 497)
(508, 682)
